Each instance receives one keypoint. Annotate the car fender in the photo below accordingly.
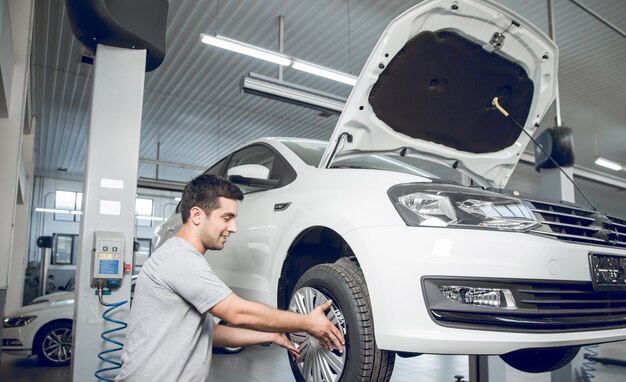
(325, 215)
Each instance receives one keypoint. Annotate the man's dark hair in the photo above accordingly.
(204, 192)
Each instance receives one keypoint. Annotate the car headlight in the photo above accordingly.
(444, 205)
(13, 322)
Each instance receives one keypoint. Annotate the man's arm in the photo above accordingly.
(226, 336)
(256, 316)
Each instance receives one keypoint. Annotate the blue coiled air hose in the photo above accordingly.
(121, 326)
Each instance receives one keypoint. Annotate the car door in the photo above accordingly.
(245, 262)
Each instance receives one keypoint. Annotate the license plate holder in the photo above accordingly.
(608, 272)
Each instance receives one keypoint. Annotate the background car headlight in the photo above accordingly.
(444, 205)
(12, 322)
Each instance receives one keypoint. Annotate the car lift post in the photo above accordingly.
(109, 190)
(484, 368)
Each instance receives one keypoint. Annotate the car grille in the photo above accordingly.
(578, 225)
(541, 307)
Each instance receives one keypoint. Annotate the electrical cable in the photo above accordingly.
(104, 336)
(495, 103)
(588, 368)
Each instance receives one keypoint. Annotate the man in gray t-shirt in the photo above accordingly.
(171, 330)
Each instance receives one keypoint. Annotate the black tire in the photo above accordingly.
(53, 344)
(540, 360)
(227, 350)
(351, 313)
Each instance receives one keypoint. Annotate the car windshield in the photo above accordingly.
(311, 153)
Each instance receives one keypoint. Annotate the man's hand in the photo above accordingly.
(282, 340)
(324, 330)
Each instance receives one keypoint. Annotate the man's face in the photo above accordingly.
(218, 225)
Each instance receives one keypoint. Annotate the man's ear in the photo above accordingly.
(196, 215)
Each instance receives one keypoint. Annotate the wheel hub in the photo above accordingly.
(317, 363)
(57, 345)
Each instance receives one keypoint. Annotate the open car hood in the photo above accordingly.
(427, 88)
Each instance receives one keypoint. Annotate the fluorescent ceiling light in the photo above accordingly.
(277, 58)
(323, 72)
(243, 48)
(295, 94)
(52, 210)
(57, 211)
(156, 218)
(608, 164)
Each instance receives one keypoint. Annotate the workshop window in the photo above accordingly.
(143, 212)
(69, 201)
(65, 248)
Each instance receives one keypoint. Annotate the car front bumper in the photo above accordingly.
(17, 341)
(396, 261)
(13, 342)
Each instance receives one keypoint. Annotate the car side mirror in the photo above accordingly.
(255, 171)
(253, 175)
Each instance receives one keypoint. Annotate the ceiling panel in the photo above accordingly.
(194, 110)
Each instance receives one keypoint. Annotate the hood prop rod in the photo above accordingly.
(339, 141)
(505, 113)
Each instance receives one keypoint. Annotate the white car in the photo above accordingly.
(378, 219)
(42, 328)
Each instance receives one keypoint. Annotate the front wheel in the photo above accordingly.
(53, 344)
(351, 313)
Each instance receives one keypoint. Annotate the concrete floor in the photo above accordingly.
(270, 364)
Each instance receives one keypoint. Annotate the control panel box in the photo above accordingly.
(108, 256)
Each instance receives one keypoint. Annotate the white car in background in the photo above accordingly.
(378, 219)
(42, 328)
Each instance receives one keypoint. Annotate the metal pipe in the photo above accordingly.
(281, 42)
(171, 164)
(551, 32)
(600, 18)
(158, 158)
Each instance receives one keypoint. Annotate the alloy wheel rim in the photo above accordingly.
(57, 345)
(317, 363)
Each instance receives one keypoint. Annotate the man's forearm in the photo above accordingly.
(261, 317)
(225, 336)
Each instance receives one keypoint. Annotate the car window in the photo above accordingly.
(280, 170)
(216, 168)
(309, 151)
(437, 170)
(380, 162)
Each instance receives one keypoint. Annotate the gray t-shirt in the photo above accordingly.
(170, 331)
